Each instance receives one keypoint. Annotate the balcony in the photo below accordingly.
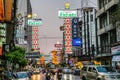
(105, 29)
(106, 7)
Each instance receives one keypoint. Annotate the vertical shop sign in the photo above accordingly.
(1, 10)
(68, 36)
(8, 9)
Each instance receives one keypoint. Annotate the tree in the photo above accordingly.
(17, 56)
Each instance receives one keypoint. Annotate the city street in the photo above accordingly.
(42, 77)
(59, 39)
(38, 77)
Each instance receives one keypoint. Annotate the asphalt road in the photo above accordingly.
(41, 76)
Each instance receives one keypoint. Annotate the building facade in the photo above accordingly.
(88, 33)
(108, 31)
(23, 32)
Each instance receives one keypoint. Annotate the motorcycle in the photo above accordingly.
(59, 75)
(48, 76)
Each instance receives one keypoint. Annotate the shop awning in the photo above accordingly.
(116, 58)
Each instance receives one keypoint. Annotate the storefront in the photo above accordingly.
(105, 59)
(116, 56)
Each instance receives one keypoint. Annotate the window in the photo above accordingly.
(89, 69)
(91, 17)
(101, 69)
(84, 68)
(94, 70)
(101, 4)
(113, 36)
(103, 21)
(105, 46)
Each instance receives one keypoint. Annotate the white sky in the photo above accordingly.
(47, 10)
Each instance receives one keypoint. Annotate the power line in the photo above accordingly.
(50, 37)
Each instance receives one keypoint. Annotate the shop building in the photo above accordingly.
(108, 31)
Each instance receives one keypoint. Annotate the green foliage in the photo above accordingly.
(17, 56)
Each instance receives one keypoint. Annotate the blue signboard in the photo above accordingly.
(76, 42)
(75, 27)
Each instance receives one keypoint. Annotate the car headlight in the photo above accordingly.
(105, 76)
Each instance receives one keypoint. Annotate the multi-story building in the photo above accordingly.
(23, 33)
(87, 31)
(29, 28)
(108, 31)
(7, 18)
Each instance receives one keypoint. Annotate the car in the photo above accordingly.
(99, 72)
(22, 75)
(67, 71)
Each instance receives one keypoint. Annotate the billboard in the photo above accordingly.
(67, 13)
(75, 27)
(34, 22)
(76, 42)
(115, 50)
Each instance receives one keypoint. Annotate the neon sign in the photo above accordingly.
(67, 13)
(34, 22)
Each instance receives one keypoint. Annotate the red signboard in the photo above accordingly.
(0, 51)
(35, 38)
(68, 36)
(58, 45)
(1, 10)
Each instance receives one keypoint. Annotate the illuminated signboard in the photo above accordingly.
(33, 55)
(76, 42)
(34, 22)
(68, 36)
(35, 38)
(67, 13)
(75, 27)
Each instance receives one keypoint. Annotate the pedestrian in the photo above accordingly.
(59, 74)
(48, 74)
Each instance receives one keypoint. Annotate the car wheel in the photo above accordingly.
(83, 78)
(98, 79)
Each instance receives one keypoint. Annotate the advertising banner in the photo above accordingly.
(68, 36)
(115, 50)
(1, 10)
(75, 27)
(76, 42)
(0, 48)
(8, 10)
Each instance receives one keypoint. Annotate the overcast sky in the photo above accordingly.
(47, 10)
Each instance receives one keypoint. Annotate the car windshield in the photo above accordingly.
(105, 69)
(22, 75)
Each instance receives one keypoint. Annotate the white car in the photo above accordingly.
(99, 72)
(21, 76)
